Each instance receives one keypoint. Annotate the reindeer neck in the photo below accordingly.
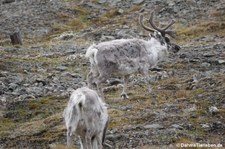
(158, 50)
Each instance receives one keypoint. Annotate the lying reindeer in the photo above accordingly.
(124, 57)
(86, 115)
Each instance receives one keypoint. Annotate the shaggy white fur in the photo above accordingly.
(86, 115)
(124, 57)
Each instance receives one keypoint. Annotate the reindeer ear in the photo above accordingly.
(150, 35)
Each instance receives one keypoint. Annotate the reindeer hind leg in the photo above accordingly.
(101, 79)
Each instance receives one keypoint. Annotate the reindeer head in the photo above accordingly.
(160, 34)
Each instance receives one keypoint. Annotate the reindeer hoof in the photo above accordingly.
(124, 96)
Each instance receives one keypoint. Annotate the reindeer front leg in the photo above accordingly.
(99, 82)
(69, 137)
(124, 94)
(145, 74)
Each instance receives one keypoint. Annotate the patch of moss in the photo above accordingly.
(6, 124)
(41, 131)
(182, 94)
(77, 24)
(81, 11)
(197, 92)
(17, 64)
(57, 29)
(81, 21)
(200, 29)
(61, 146)
(111, 13)
(135, 8)
(24, 111)
(54, 120)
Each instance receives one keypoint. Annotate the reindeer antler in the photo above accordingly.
(163, 31)
(141, 18)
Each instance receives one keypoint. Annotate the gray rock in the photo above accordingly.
(13, 86)
(213, 110)
(171, 3)
(193, 108)
(205, 126)
(176, 126)
(153, 126)
(3, 87)
(209, 54)
(114, 2)
(66, 36)
(218, 125)
(74, 75)
(176, 9)
(35, 91)
(106, 38)
(137, 2)
(61, 68)
(116, 136)
(221, 61)
(205, 64)
(120, 11)
(102, 1)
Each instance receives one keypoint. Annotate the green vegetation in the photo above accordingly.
(200, 29)
(81, 20)
(38, 120)
(13, 63)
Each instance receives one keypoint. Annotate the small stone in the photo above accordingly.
(153, 126)
(209, 54)
(171, 3)
(61, 68)
(66, 36)
(205, 64)
(12, 86)
(221, 61)
(138, 2)
(218, 125)
(205, 126)
(120, 11)
(102, 1)
(176, 126)
(2, 100)
(213, 110)
(191, 109)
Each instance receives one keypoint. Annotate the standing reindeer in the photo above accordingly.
(86, 115)
(124, 57)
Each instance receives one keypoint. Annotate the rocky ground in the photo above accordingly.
(187, 104)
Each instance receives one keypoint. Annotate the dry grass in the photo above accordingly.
(60, 146)
(111, 13)
(135, 8)
(77, 24)
(202, 28)
(182, 94)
